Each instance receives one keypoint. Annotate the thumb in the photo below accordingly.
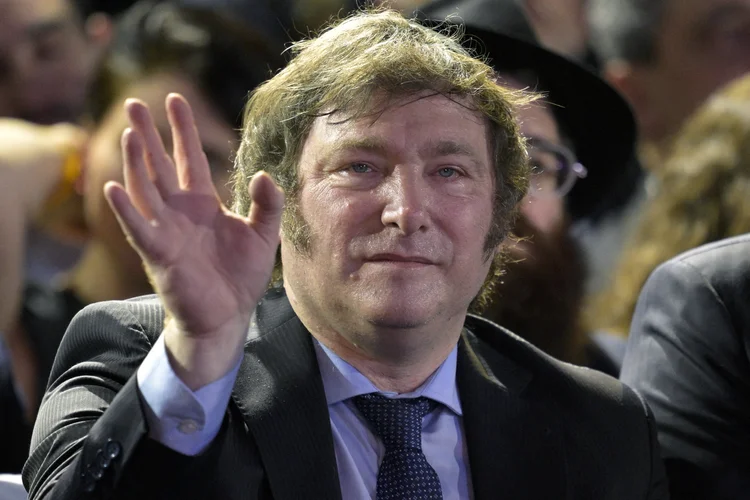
(267, 206)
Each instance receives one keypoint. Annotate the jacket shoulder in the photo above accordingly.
(143, 314)
(718, 261)
(576, 390)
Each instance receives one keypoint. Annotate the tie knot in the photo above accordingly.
(397, 422)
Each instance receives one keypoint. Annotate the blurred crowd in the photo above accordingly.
(640, 151)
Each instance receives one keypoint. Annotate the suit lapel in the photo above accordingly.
(280, 394)
(514, 442)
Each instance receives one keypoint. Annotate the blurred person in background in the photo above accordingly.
(50, 51)
(159, 48)
(561, 26)
(49, 54)
(688, 356)
(701, 194)
(668, 56)
(28, 153)
(558, 25)
(577, 165)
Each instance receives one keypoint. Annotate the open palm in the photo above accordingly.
(209, 266)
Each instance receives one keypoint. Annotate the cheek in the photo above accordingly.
(469, 213)
(337, 224)
(331, 211)
(545, 214)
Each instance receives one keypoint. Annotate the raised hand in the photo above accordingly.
(209, 266)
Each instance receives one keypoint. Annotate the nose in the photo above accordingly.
(407, 203)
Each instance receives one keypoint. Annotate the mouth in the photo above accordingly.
(401, 260)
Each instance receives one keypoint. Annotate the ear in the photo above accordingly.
(99, 30)
(633, 82)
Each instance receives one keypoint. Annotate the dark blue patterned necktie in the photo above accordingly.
(405, 473)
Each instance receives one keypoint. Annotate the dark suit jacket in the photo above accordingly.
(15, 432)
(689, 355)
(535, 428)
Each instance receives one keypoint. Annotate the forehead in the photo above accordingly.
(20, 13)
(18, 17)
(396, 122)
(537, 120)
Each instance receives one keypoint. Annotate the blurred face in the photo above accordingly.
(541, 207)
(46, 61)
(703, 44)
(399, 205)
(560, 25)
(104, 161)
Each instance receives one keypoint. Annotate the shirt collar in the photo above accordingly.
(341, 381)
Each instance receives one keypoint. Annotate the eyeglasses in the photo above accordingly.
(554, 169)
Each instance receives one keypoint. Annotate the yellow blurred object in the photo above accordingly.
(71, 170)
(61, 214)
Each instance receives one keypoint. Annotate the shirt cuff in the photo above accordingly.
(177, 417)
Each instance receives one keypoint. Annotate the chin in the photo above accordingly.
(399, 316)
(394, 323)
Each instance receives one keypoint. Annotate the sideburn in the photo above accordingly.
(297, 232)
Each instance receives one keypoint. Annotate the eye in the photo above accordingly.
(360, 168)
(447, 172)
(50, 47)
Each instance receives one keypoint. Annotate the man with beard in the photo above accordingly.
(581, 143)
(541, 294)
(541, 291)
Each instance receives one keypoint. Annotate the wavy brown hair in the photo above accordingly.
(703, 195)
(346, 71)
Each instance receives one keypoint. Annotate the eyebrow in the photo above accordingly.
(448, 148)
(370, 144)
(433, 149)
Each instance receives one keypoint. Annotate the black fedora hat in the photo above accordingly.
(594, 116)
